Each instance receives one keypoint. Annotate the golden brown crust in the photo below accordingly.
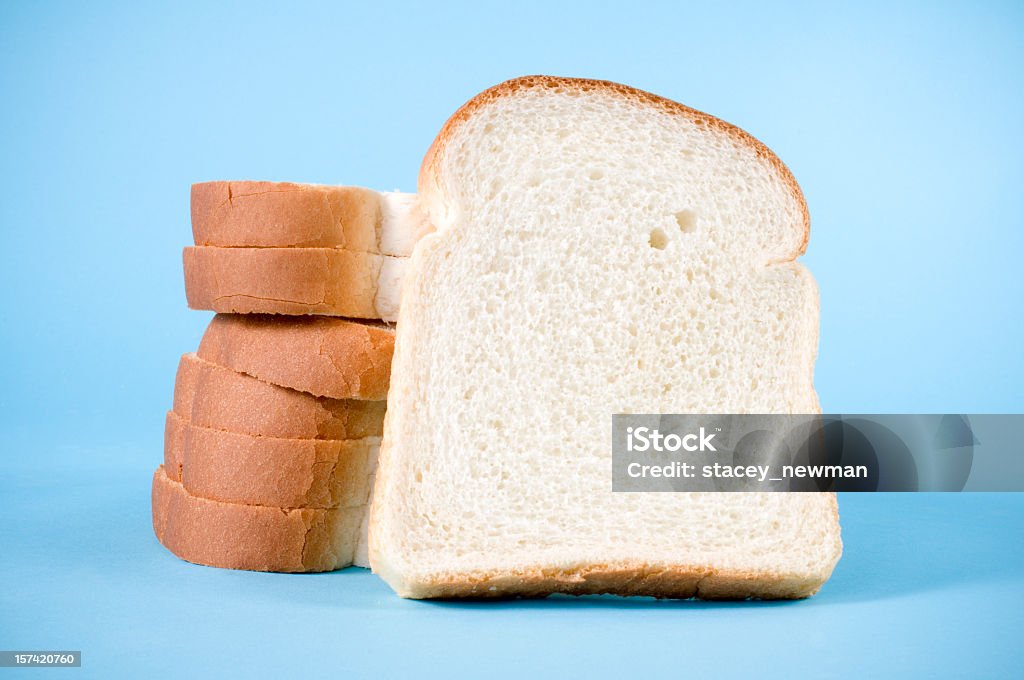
(257, 538)
(283, 214)
(430, 166)
(185, 384)
(639, 579)
(327, 357)
(223, 399)
(330, 281)
(175, 430)
(287, 473)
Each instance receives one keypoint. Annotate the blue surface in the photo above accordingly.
(902, 124)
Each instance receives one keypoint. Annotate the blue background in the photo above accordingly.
(903, 125)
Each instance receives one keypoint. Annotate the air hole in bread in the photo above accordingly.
(658, 239)
(595, 175)
(687, 221)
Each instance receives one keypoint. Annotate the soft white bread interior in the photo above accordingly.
(362, 552)
(362, 556)
(626, 254)
(403, 223)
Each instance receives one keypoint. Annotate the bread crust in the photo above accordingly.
(324, 356)
(428, 184)
(283, 214)
(678, 582)
(328, 281)
(257, 538)
(175, 430)
(287, 473)
(218, 398)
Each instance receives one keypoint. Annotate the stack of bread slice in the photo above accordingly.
(271, 444)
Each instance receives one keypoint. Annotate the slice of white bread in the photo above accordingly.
(325, 356)
(259, 538)
(219, 398)
(236, 471)
(288, 473)
(626, 254)
(269, 471)
(283, 214)
(329, 281)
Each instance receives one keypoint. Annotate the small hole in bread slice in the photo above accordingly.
(658, 239)
(687, 221)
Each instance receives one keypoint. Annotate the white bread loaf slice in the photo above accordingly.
(276, 445)
(328, 281)
(294, 249)
(325, 356)
(253, 537)
(232, 477)
(266, 471)
(626, 254)
(287, 473)
(285, 214)
(212, 396)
